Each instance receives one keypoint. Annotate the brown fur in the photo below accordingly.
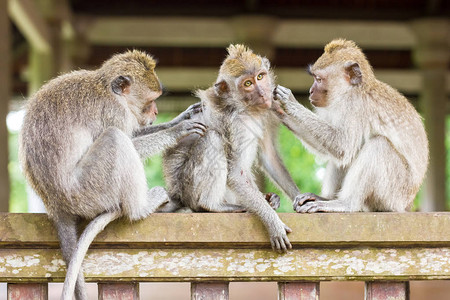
(340, 51)
(78, 151)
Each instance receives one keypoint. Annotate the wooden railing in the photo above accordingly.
(386, 250)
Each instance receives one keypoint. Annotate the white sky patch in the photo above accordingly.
(14, 120)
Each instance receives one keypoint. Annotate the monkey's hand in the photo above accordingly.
(189, 127)
(189, 113)
(303, 199)
(274, 200)
(278, 237)
(285, 99)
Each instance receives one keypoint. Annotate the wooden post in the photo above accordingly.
(5, 79)
(209, 291)
(432, 56)
(298, 290)
(118, 291)
(387, 290)
(27, 291)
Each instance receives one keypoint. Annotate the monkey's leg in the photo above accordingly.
(66, 227)
(372, 182)
(378, 180)
(217, 197)
(332, 182)
(211, 201)
(121, 185)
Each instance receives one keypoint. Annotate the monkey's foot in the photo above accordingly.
(274, 200)
(323, 205)
(304, 198)
(311, 206)
(157, 197)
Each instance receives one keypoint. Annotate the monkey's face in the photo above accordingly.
(146, 106)
(150, 111)
(151, 91)
(139, 96)
(256, 89)
(318, 93)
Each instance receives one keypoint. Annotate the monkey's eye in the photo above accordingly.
(260, 76)
(318, 79)
(248, 83)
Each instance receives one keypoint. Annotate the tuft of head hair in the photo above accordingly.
(338, 44)
(130, 61)
(341, 51)
(240, 60)
(136, 64)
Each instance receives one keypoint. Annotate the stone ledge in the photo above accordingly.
(219, 230)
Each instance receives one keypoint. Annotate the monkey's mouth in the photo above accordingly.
(313, 101)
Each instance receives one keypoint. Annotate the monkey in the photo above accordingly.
(81, 145)
(373, 139)
(214, 173)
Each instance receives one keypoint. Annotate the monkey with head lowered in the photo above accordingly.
(79, 154)
(373, 138)
(214, 173)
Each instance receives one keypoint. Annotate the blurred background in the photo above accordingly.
(406, 41)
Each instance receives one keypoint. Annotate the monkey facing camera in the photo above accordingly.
(81, 145)
(373, 138)
(214, 173)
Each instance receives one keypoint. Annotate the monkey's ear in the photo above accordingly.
(221, 88)
(353, 72)
(121, 85)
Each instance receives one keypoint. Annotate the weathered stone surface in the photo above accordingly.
(235, 265)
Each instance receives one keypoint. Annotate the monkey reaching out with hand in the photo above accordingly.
(372, 137)
(80, 156)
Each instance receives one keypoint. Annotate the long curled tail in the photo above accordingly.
(91, 231)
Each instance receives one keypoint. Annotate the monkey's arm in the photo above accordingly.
(315, 132)
(153, 143)
(254, 201)
(186, 115)
(272, 163)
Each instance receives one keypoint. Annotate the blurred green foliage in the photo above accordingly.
(18, 194)
(301, 164)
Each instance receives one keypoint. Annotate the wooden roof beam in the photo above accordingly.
(186, 79)
(219, 32)
(31, 24)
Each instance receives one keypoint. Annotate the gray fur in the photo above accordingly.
(215, 173)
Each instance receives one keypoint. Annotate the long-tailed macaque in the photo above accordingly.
(372, 137)
(214, 173)
(78, 153)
